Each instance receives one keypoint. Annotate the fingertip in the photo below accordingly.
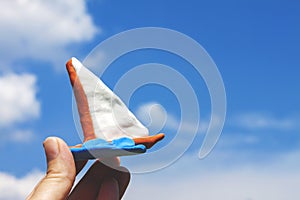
(51, 148)
(61, 142)
(60, 175)
(66, 155)
(59, 156)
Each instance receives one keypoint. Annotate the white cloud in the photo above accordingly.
(21, 136)
(18, 188)
(16, 136)
(237, 185)
(191, 178)
(42, 30)
(227, 173)
(14, 188)
(233, 139)
(213, 179)
(18, 100)
(155, 117)
(95, 61)
(264, 121)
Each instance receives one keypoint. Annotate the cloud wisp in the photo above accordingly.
(257, 120)
(18, 99)
(213, 179)
(17, 188)
(18, 104)
(42, 30)
(155, 117)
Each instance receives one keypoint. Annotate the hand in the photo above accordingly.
(100, 182)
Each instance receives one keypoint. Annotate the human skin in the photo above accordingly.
(99, 183)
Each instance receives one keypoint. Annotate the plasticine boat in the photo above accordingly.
(108, 126)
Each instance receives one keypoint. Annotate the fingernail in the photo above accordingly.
(51, 148)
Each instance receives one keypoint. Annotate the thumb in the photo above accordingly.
(61, 172)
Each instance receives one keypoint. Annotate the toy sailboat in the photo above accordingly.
(108, 126)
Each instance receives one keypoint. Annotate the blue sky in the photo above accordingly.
(254, 44)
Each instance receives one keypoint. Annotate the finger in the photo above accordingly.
(82, 103)
(88, 187)
(121, 174)
(109, 190)
(80, 165)
(92, 183)
(123, 178)
(60, 176)
(149, 141)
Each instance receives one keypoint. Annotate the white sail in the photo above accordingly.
(110, 116)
